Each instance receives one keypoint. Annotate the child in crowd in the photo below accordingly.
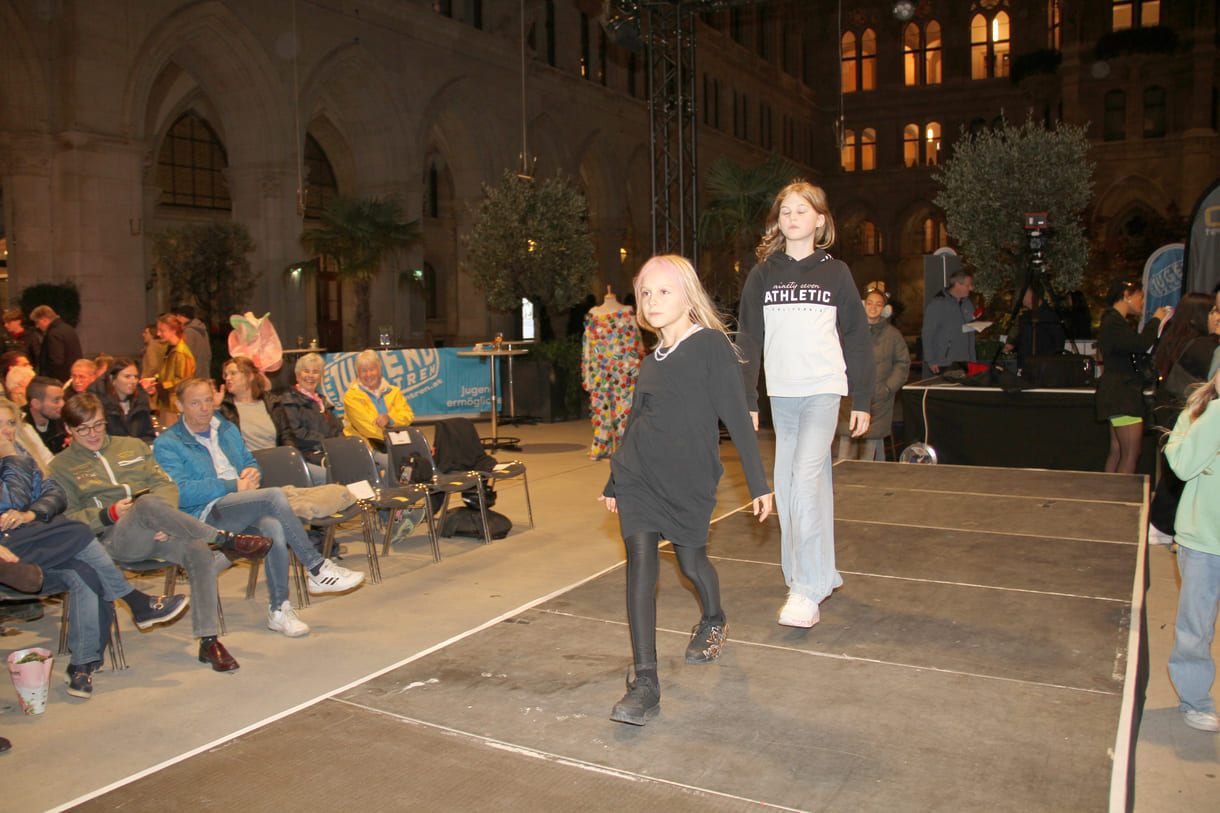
(664, 475)
(1191, 451)
(801, 316)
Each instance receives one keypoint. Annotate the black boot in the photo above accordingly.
(642, 701)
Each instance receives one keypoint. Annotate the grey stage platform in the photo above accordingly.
(975, 659)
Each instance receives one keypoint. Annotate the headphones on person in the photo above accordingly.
(878, 287)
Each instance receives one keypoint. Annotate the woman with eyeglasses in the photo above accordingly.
(1120, 398)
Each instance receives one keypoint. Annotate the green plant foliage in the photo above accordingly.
(206, 265)
(63, 298)
(732, 221)
(565, 354)
(360, 234)
(531, 240)
(994, 178)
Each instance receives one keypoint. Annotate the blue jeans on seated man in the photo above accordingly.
(92, 590)
(265, 511)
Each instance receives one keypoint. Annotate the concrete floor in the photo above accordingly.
(168, 707)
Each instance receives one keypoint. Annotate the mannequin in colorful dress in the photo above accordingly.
(612, 350)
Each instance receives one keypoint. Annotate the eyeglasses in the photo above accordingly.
(95, 428)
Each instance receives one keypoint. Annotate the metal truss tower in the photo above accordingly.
(670, 32)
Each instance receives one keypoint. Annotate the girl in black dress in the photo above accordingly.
(663, 477)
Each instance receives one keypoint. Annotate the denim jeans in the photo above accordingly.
(265, 511)
(1191, 667)
(131, 540)
(804, 497)
(89, 616)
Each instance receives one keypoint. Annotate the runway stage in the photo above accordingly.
(976, 657)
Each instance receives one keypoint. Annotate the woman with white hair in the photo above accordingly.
(310, 415)
(370, 405)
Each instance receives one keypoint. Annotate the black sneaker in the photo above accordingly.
(706, 641)
(641, 703)
(80, 681)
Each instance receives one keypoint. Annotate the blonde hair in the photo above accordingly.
(773, 239)
(1200, 396)
(682, 274)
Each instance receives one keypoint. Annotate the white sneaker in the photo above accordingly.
(334, 579)
(1202, 720)
(284, 619)
(799, 611)
(1158, 537)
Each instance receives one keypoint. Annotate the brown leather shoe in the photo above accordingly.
(21, 577)
(245, 545)
(216, 654)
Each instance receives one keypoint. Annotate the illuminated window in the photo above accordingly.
(934, 235)
(191, 165)
(990, 46)
(872, 238)
(931, 154)
(859, 61)
(921, 52)
(1135, 14)
(849, 151)
(868, 148)
(910, 145)
(1054, 25)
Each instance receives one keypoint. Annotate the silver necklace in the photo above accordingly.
(659, 356)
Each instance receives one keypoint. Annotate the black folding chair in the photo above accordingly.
(407, 446)
(349, 461)
(285, 466)
(464, 430)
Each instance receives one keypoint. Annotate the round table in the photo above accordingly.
(495, 441)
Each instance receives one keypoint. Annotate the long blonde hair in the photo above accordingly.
(1200, 396)
(682, 274)
(773, 239)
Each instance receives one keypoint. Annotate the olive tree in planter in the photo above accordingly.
(531, 240)
(994, 178)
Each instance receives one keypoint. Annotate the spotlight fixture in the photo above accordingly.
(904, 10)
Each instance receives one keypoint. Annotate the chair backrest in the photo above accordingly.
(410, 455)
(282, 466)
(348, 460)
(458, 447)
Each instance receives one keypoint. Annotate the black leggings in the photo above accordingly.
(643, 568)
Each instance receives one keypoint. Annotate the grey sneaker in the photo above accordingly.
(1202, 720)
(706, 641)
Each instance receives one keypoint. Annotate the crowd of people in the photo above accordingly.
(107, 461)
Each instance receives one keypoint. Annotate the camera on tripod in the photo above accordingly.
(1035, 227)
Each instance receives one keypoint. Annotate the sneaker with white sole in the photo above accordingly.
(799, 611)
(1202, 720)
(285, 619)
(334, 579)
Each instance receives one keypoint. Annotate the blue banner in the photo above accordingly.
(435, 380)
(1163, 279)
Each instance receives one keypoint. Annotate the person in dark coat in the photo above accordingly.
(125, 404)
(60, 345)
(311, 417)
(1120, 398)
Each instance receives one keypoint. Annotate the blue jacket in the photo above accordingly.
(23, 488)
(189, 464)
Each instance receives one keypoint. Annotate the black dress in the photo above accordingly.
(1120, 389)
(665, 473)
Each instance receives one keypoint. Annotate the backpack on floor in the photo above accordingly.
(467, 522)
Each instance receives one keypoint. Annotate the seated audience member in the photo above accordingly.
(11, 359)
(84, 373)
(247, 403)
(19, 337)
(102, 361)
(311, 417)
(218, 481)
(371, 404)
(44, 405)
(128, 410)
(60, 345)
(16, 382)
(154, 352)
(101, 475)
(177, 366)
(69, 556)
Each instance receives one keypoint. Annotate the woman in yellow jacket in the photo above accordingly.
(370, 405)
